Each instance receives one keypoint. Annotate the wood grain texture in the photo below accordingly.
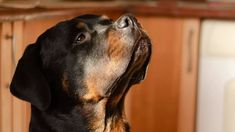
(13, 111)
(174, 8)
(156, 104)
(6, 74)
(189, 72)
(40, 13)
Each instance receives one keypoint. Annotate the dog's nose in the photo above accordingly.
(125, 22)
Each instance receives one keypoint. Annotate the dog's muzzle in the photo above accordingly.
(141, 50)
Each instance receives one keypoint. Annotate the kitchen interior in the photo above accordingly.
(190, 85)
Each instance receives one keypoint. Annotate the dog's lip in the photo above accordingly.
(143, 43)
(141, 54)
(142, 46)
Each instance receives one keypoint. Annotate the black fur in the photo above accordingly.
(57, 56)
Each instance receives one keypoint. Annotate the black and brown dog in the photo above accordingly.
(78, 72)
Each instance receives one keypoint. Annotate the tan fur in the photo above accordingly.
(92, 94)
(116, 48)
(99, 75)
(97, 123)
(80, 25)
(65, 82)
(104, 17)
(96, 80)
(115, 125)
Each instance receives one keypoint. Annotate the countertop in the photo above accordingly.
(28, 11)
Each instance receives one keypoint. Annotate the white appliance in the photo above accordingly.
(216, 84)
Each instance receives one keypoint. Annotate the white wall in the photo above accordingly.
(216, 77)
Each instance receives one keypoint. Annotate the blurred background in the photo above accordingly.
(190, 86)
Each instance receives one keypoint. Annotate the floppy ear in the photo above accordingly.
(29, 82)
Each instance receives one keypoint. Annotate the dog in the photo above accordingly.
(77, 74)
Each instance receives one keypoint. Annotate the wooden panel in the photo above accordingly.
(189, 70)
(154, 103)
(6, 74)
(165, 101)
(13, 111)
(175, 8)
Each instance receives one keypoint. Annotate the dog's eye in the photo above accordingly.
(80, 38)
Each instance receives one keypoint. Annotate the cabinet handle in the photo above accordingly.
(13, 49)
(7, 36)
(190, 51)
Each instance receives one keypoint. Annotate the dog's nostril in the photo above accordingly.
(125, 22)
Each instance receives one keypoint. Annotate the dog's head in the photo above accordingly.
(87, 58)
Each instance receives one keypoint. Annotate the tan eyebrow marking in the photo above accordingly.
(65, 82)
(104, 17)
(80, 25)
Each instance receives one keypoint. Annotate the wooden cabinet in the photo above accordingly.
(12, 111)
(166, 100)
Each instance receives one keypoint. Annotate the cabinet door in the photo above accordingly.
(188, 76)
(165, 101)
(6, 74)
(216, 83)
(12, 110)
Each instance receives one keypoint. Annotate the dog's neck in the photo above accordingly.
(103, 121)
(88, 117)
(106, 115)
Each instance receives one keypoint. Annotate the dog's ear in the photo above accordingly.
(29, 83)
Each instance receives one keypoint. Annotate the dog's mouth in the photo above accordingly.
(140, 59)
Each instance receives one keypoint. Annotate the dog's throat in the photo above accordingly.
(135, 72)
(100, 122)
(114, 109)
(115, 118)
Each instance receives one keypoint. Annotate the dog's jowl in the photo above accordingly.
(77, 74)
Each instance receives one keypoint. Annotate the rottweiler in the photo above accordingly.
(77, 74)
